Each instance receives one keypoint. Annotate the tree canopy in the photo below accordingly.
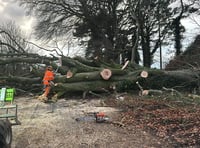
(113, 30)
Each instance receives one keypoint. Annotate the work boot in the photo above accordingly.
(44, 99)
(40, 97)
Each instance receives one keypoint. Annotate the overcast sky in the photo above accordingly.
(10, 10)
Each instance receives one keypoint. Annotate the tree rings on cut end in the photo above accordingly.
(69, 74)
(145, 92)
(106, 74)
(144, 74)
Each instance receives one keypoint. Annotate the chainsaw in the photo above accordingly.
(100, 117)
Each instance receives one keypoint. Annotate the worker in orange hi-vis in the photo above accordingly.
(47, 82)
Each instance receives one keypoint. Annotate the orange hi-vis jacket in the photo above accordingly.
(48, 76)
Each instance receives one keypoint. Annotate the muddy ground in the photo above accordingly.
(54, 125)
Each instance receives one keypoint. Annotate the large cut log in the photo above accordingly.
(70, 76)
(78, 77)
(83, 86)
(21, 80)
(98, 86)
(106, 74)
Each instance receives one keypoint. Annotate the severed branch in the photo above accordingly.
(45, 48)
(173, 91)
(147, 92)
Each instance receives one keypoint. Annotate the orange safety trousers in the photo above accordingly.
(47, 90)
(49, 75)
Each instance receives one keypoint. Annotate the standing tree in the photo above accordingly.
(147, 20)
(110, 28)
(101, 21)
(181, 10)
(96, 20)
(55, 18)
(178, 29)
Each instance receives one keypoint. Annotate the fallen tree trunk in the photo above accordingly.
(83, 86)
(78, 74)
(21, 80)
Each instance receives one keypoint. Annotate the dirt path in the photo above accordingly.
(54, 126)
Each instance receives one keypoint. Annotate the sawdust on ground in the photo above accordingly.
(54, 125)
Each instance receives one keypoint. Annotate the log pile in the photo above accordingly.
(88, 76)
(81, 75)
